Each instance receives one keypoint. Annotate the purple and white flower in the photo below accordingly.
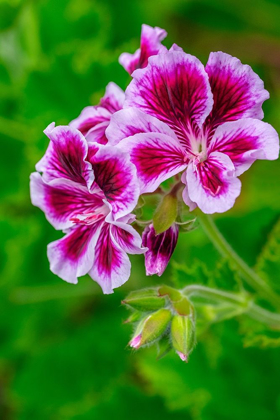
(180, 116)
(150, 45)
(93, 120)
(88, 191)
(160, 248)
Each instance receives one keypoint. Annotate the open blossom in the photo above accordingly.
(88, 191)
(150, 44)
(160, 248)
(180, 116)
(93, 120)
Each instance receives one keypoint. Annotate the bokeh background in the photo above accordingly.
(63, 348)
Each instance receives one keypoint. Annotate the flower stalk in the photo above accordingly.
(240, 300)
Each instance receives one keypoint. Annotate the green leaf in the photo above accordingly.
(268, 262)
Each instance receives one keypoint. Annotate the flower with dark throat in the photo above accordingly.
(88, 191)
(205, 122)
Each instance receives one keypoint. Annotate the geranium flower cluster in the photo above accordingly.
(202, 124)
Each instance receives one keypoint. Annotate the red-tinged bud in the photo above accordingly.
(183, 335)
(161, 248)
(135, 342)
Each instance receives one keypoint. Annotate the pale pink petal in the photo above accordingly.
(156, 156)
(113, 99)
(66, 156)
(111, 267)
(63, 199)
(174, 88)
(150, 45)
(116, 176)
(185, 193)
(73, 255)
(130, 121)
(212, 184)
(244, 141)
(238, 91)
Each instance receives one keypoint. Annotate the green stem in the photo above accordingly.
(240, 301)
(252, 279)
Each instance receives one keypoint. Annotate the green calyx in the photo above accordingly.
(145, 300)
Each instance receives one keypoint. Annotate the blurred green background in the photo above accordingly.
(63, 348)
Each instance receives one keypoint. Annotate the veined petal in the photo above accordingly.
(73, 255)
(127, 238)
(93, 120)
(160, 248)
(66, 156)
(113, 99)
(130, 121)
(244, 141)
(111, 267)
(91, 116)
(156, 156)
(238, 91)
(174, 88)
(150, 45)
(212, 184)
(62, 199)
(116, 176)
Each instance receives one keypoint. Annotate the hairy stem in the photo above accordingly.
(249, 308)
(252, 279)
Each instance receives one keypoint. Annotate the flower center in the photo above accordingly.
(89, 217)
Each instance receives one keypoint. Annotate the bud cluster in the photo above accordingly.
(162, 315)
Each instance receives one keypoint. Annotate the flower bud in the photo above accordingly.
(145, 300)
(161, 247)
(183, 335)
(151, 328)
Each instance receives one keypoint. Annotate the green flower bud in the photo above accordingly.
(145, 300)
(151, 328)
(183, 335)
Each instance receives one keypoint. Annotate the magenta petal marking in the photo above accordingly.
(113, 99)
(244, 141)
(91, 116)
(130, 121)
(156, 156)
(93, 120)
(160, 248)
(174, 88)
(111, 266)
(73, 255)
(238, 91)
(63, 199)
(150, 45)
(66, 156)
(116, 176)
(212, 184)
